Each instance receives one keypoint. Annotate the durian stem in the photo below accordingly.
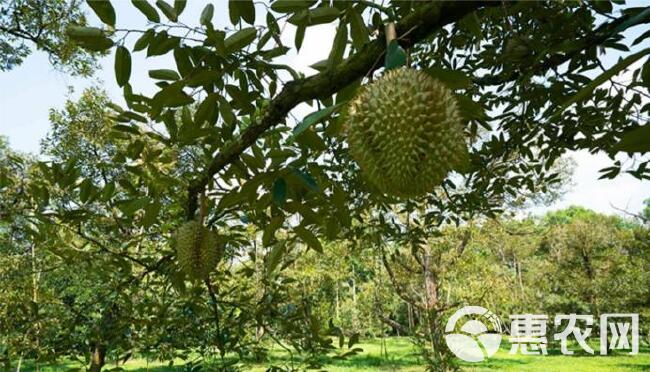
(391, 33)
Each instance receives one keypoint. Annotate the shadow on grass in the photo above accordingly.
(496, 363)
(373, 361)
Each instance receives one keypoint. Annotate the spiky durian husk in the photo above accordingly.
(405, 132)
(198, 250)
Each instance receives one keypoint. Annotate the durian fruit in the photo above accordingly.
(198, 249)
(405, 132)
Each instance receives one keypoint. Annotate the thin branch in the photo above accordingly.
(599, 36)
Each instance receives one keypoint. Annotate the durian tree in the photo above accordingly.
(424, 114)
(522, 91)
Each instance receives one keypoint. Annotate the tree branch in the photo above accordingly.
(422, 22)
(603, 33)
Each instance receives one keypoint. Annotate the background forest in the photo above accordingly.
(316, 263)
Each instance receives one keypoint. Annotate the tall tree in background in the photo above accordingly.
(26, 25)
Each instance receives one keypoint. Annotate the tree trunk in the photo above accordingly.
(36, 276)
(338, 310)
(430, 282)
(98, 358)
(354, 299)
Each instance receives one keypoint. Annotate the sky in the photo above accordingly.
(30, 91)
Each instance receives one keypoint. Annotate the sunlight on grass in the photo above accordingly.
(402, 356)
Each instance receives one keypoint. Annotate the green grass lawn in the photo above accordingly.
(402, 357)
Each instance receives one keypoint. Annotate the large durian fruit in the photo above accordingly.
(198, 250)
(405, 132)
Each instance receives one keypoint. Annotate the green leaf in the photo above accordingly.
(316, 16)
(230, 199)
(358, 29)
(151, 212)
(130, 206)
(130, 115)
(161, 44)
(320, 66)
(453, 79)
(269, 231)
(145, 8)
(472, 23)
(470, 110)
(635, 20)
(226, 112)
(275, 256)
(207, 110)
(290, 6)
(179, 6)
(122, 65)
(207, 14)
(279, 191)
(338, 46)
(639, 39)
(144, 40)
(395, 56)
(240, 39)
(81, 33)
(104, 10)
(600, 79)
(167, 10)
(90, 38)
(236, 94)
(300, 36)
(164, 74)
(314, 118)
(636, 140)
(171, 96)
(85, 188)
(107, 192)
(308, 238)
(241, 9)
(306, 180)
(126, 129)
(183, 61)
(645, 73)
(233, 12)
(97, 45)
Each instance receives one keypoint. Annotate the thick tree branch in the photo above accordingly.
(422, 22)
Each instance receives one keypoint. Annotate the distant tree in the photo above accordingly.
(26, 25)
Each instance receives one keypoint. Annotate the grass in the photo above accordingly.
(403, 357)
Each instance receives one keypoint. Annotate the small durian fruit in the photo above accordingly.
(198, 249)
(406, 133)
